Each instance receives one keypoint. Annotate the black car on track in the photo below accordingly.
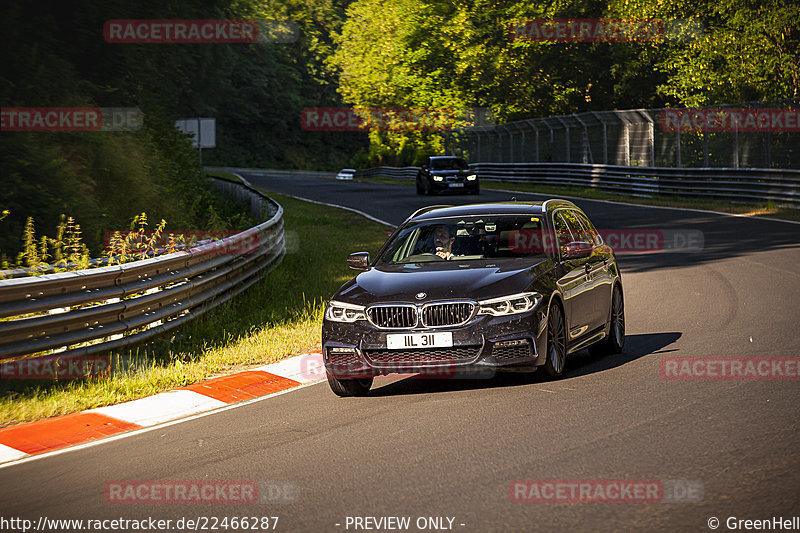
(493, 286)
(447, 174)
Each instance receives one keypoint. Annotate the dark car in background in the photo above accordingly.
(494, 286)
(447, 174)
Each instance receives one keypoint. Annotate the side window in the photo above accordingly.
(563, 234)
(579, 233)
(596, 240)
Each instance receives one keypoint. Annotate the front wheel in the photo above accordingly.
(349, 387)
(556, 343)
(615, 340)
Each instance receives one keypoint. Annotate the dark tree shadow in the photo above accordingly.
(579, 364)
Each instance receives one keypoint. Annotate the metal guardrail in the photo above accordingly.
(275, 172)
(753, 184)
(92, 311)
(388, 172)
(781, 186)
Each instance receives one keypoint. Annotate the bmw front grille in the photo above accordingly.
(432, 315)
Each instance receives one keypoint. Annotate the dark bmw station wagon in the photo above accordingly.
(501, 286)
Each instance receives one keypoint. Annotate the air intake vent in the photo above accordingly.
(393, 316)
(447, 314)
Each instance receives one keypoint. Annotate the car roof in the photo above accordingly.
(493, 208)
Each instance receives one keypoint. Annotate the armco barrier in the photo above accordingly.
(389, 172)
(780, 186)
(100, 309)
(275, 172)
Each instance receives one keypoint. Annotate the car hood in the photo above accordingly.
(441, 281)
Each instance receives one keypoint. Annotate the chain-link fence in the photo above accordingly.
(750, 135)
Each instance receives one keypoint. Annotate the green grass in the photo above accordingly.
(755, 209)
(279, 316)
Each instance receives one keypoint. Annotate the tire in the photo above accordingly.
(556, 342)
(616, 327)
(349, 387)
(420, 190)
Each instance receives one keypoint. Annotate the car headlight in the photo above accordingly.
(510, 305)
(342, 312)
(438, 178)
(472, 177)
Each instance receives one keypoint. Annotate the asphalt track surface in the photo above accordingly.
(451, 448)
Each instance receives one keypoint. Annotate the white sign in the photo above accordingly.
(202, 130)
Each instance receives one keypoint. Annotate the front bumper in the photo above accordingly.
(359, 349)
(454, 184)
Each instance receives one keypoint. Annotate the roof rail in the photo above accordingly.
(559, 200)
(426, 209)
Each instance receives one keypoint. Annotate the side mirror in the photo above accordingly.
(358, 260)
(577, 250)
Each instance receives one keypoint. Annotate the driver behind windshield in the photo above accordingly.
(443, 241)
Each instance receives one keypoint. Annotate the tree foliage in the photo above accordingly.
(442, 53)
(419, 54)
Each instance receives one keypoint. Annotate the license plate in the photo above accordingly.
(407, 341)
(456, 184)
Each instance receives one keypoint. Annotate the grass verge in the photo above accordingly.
(765, 209)
(279, 316)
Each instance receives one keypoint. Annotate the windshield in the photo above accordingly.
(465, 239)
(449, 163)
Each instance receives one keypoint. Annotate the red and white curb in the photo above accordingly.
(51, 434)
